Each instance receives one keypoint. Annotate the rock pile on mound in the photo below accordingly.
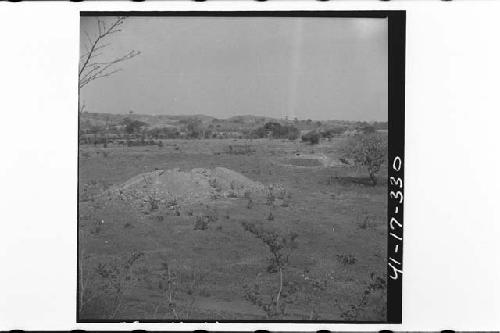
(175, 187)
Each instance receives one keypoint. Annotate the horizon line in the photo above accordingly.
(227, 118)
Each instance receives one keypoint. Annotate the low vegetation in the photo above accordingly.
(285, 251)
(142, 130)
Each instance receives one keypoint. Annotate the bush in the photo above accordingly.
(355, 311)
(276, 131)
(153, 200)
(280, 246)
(104, 284)
(367, 129)
(270, 197)
(346, 259)
(311, 137)
(369, 151)
(133, 126)
(293, 133)
(333, 131)
(200, 223)
(240, 149)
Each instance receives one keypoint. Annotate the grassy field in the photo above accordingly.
(164, 265)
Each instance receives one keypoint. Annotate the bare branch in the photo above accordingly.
(90, 69)
(99, 26)
(82, 108)
(95, 45)
(103, 69)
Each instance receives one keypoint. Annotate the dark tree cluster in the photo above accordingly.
(276, 130)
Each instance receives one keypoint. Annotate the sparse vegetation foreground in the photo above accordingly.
(273, 227)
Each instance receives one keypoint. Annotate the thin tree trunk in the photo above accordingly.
(279, 291)
(119, 303)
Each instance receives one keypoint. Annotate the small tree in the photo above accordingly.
(312, 137)
(369, 151)
(194, 128)
(133, 126)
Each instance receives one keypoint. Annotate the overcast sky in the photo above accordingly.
(317, 68)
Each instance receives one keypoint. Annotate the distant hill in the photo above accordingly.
(91, 121)
(250, 119)
(102, 119)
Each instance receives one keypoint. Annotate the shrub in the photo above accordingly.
(346, 259)
(312, 137)
(333, 131)
(167, 284)
(314, 288)
(270, 198)
(293, 133)
(202, 222)
(153, 200)
(276, 131)
(172, 203)
(377, 284)
(280, 246)
(248, 195)
(367, 129)
(280, 191)
(369, 151)
(244, 149)
(133, 126)
(271, 308)
(104, 283)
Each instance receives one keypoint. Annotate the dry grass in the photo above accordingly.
(323, 212)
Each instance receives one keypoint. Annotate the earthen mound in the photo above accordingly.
(176, 187)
